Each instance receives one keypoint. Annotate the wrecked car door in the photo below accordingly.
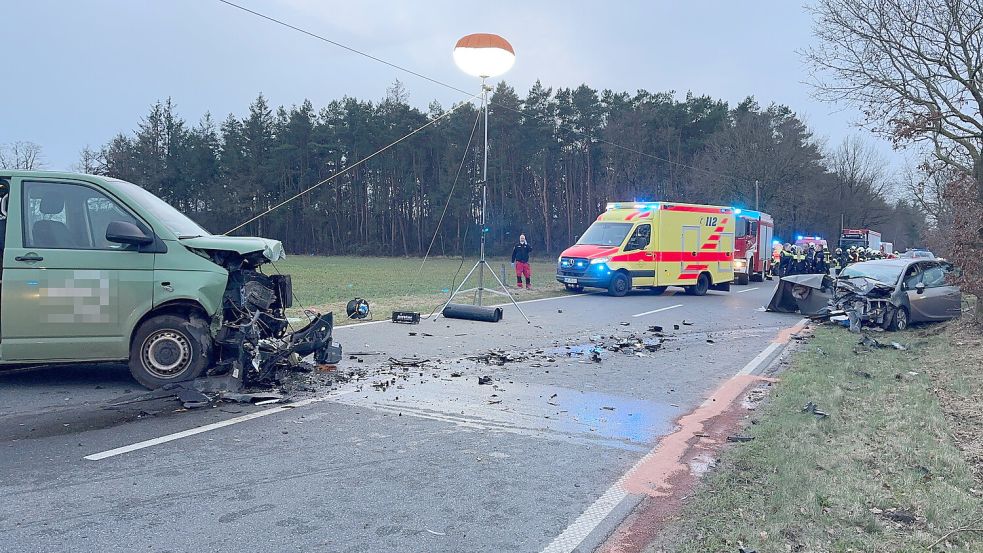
(933, 298)
(66, 287)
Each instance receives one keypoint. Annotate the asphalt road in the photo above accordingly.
(433, 462)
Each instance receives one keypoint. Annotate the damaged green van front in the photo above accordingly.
(99, 269)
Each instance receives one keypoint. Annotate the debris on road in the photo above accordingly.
(814, 409)
(484, 380)
(868, 343)
(739, 438)
(410, 362)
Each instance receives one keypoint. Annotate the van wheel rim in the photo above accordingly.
(622, 285)
(166, 354)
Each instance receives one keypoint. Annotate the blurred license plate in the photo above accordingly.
(569, 280)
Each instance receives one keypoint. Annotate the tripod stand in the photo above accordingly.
(482, 264)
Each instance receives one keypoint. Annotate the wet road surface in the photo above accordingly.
(434, 461)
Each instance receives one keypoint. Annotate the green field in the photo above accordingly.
(881, 473)
(398, 283)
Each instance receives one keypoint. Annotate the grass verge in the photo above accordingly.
(883, 472)
(398, 283)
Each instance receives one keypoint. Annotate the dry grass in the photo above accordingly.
(850, 482)
(398, 283)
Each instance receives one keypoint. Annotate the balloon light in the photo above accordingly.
(484, 55)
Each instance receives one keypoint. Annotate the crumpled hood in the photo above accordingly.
(863, 285)
(272, 249)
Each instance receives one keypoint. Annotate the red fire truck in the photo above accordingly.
(752, 245)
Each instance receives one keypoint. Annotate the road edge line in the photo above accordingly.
(597, 512)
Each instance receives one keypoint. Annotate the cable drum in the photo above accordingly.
(357, 308)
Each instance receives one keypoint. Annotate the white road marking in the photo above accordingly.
(658, 310)
(580, 295)
(206, 428)
(594, 515)
(273, 410)
(748, 289)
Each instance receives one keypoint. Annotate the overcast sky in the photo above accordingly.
(78, 72)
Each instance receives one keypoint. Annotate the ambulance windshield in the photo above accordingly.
(605, 234)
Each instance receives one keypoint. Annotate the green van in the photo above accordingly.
(99, 269)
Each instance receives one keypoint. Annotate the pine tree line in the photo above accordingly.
(556, 157)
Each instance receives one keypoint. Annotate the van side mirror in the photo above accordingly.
(920, 288)
(125, 232)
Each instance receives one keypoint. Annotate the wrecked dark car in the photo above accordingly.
(888, 293)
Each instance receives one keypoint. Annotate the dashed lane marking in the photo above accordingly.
(748, 289)
(658, 310)
(206, 428)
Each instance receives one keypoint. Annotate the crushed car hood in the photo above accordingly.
(864, 285)
(272, 249)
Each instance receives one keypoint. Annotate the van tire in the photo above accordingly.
(757, 277)
(620, 285)
(170, 348)
(742, 279)
(701, 286)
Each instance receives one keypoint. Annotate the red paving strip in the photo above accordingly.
(664, 477)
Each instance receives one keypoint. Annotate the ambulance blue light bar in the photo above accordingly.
(633, 205)
(750, 213)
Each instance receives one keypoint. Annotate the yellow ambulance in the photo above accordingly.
(653, 245)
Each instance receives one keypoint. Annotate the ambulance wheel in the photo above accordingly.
(658, 290)
(701, 287)
(619, 286)
(574, 287)
(170, 348)
(742, 279)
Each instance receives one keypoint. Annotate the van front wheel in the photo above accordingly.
(170, 348)
(619, 285)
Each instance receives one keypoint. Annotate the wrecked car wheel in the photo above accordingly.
(899, 320)
(170, 348)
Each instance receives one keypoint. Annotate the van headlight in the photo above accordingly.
(740, 264)
(597, 260)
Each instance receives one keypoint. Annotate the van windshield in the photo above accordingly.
(174, 220)
(605, 234)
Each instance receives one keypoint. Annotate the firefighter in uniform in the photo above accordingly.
(838, 263)
(822, 260)
(810, 259)
(785, 261)
(798, 260)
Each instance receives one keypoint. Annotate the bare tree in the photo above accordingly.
(928, 185)
(21, 155)
(92, 162)
(914, 67)
(862, 184)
